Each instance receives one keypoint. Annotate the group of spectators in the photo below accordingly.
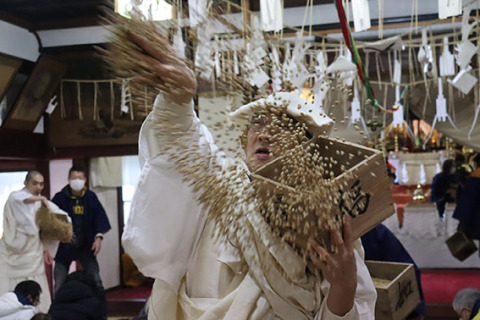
(459, 182)
(24, 291)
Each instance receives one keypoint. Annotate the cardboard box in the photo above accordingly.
(368, 180)
(397, 289)
(460, 246)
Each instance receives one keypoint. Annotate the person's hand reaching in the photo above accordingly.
(163, 69)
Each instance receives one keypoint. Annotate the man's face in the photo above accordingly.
(465, 313)
(77, 175)
(269, 136)
(35, 185)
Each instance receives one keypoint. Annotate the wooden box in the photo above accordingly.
(397, 289)
(460, 246)
(368, 180)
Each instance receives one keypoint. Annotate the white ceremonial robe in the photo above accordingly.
(196, 277)
(12, 309)
(21, 250)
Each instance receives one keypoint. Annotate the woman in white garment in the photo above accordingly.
(169, 237)
(22, 253)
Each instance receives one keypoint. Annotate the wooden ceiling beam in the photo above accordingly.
(15, 20)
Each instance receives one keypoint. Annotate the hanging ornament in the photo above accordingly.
(271, 12)
(441, 114)
(125, 96)
(446, 60)
(178, 43)
(449, 8)
(398, 113)
(361, 15)
(52, 104)
(356, 114)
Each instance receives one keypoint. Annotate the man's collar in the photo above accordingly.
(23, 299)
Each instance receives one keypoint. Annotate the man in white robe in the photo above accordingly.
(170, 239)
(22, 253)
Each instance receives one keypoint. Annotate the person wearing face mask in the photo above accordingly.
(90, 223)
(22, 253)
(444, 187)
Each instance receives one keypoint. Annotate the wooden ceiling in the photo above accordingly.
(57, 14)
(53, 14)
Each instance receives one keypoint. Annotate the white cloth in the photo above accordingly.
(199, 278)
(12, 309)
(21, 250)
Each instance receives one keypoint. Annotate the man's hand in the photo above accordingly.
(47, 257)
(166, 71)
(45, 202)
(339, 269)
(97, 245)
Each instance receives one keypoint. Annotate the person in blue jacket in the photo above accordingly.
(467, 211)
(380, 244)
(90, 223)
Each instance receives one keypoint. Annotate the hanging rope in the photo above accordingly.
(347, 35)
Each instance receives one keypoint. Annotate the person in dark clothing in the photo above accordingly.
(462, 172)
(444, 187)
(79, 298)
(89, 221)
(467, 211)
(381, 244)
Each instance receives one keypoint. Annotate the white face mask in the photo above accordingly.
(77, 184)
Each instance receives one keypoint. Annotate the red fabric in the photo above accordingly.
(440, 286)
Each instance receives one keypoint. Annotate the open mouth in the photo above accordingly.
(262, 153)
(262, 150)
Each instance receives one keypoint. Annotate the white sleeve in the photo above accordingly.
(365, 297)
(165, 221)
(52, 207)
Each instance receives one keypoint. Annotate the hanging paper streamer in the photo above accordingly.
(52, 104)
(178, 43)
(320, 87)
(398, 113)
(449, 8)
(397, 69)
(361, 15)
(347, 35)
(276, 74)
(446, 60)
(271, 13)
(125, 96)
(441, 114)
(356, 113)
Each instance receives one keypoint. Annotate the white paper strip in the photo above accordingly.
(197, 11)
(361, 15)
(271, 13)
(449, 8)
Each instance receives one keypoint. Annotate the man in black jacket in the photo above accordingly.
(89, 222)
